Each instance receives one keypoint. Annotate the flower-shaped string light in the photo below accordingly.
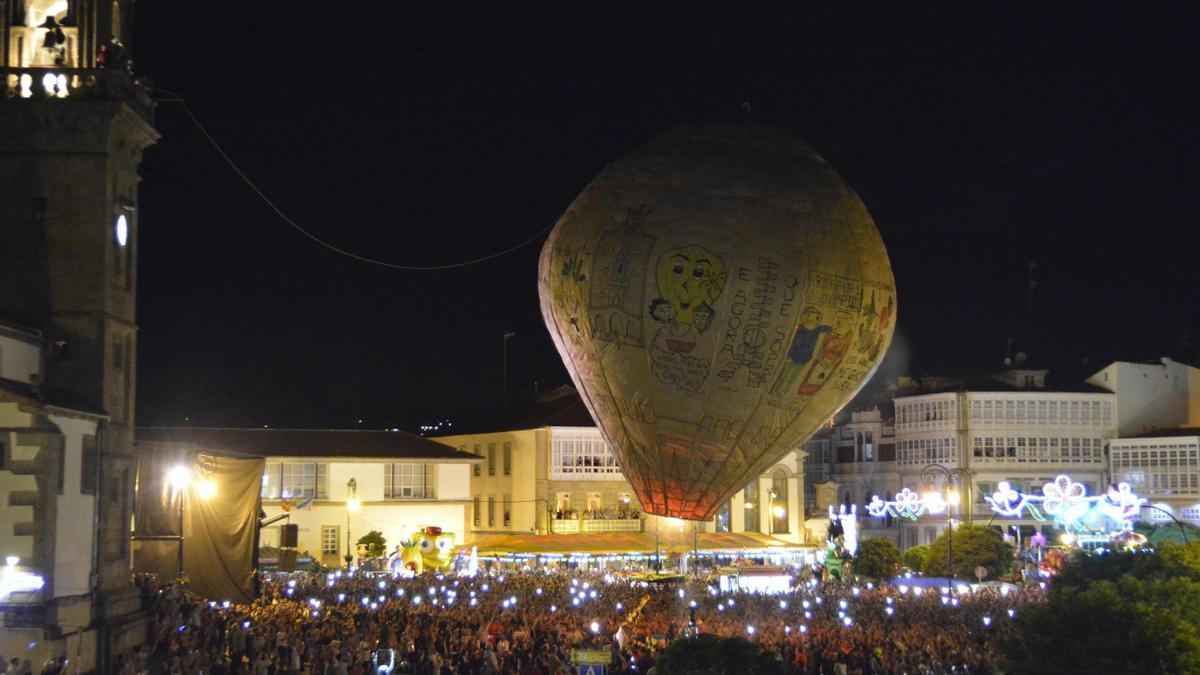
(1063, 495)
(1063, 499)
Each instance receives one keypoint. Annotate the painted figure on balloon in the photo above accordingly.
(804, 345)
(874, 327)
(690, 279)
(833, 349)
(570, 296)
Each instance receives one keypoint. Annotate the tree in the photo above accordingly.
(973, 546)
(876, 559)
(375, 543)
(914, 557)
(1135, 612)
(711, 654)
(1159, 533)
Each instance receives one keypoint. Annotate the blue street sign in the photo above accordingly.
(591, 669)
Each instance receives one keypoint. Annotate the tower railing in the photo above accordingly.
(48, 83)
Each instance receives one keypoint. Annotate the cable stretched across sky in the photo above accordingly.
(176, 98)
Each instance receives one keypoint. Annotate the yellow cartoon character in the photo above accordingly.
(410, 557)
(691, 278)
(436, 548)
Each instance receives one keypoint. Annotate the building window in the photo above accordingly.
(722, 520)
(779, 503)
(294, 480)
(507, 504)
(562, 503)
(329, 540)
(491, 511)
(750, 503)
(410, 481)
(491, 459)
(582, 454)
(477, 514)
(508, 459)
(87, 476)
(476, 468)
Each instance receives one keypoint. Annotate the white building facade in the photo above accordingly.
(565, 479)
(1025, 437)
(49, 484)
(338, 485)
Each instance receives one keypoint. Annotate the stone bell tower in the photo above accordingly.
(75, 122)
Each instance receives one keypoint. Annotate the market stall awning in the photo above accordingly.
(630, 542)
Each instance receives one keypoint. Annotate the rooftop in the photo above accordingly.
(1171, 433)
(347, 443)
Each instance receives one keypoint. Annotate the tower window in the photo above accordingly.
(121, 230)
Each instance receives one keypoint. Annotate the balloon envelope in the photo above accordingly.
(716, 296)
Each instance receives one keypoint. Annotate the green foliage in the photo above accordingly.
(375, 543)
(711, 654)
(1133, 612)
(1164, 562)
(1167, 532)
(973, 545)
(876, 559)
(914, 558)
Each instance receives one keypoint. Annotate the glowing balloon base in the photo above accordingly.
(716, 297)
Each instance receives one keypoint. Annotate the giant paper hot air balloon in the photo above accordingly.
(716, 296)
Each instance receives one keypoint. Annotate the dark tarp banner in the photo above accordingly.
(220, 506)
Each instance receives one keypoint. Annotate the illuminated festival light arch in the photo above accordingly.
(1063, 500)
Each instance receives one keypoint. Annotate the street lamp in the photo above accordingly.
(955, 478)
(352, 505)
(180, 479)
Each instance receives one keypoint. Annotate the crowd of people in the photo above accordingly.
(528, 623)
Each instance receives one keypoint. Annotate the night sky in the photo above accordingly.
(427, 133)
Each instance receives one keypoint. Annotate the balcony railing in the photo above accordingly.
(577, 526)
(64, 83)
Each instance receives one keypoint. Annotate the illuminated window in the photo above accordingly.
(329, 540)
(491, 511)
(410, 481)
(750, 502)
(508, 459)
(507, 504)
(294, 480)
(478, 516)
(722, 519)
(582, 455)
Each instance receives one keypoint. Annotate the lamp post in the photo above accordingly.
(955, 478)
(180, 479)
(352, 505)
(1172, 517)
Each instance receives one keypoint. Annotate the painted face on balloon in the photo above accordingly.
(687, 277)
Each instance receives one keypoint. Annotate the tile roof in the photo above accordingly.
(348, 443)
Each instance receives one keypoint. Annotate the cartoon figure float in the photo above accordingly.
(429, 549)
(841, 540)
